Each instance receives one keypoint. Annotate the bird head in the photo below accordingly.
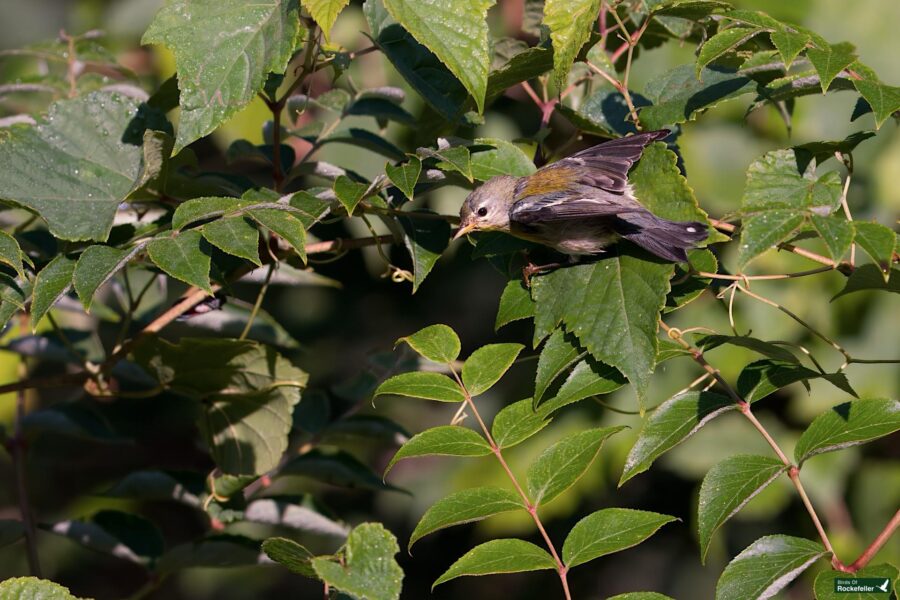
(487, 208)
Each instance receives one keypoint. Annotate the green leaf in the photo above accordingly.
(672, 422)
(570, 23)
(325, 13)
(465, 506)
(202, 209)
(214, 551)
(96, 265)
(308, 208)
(405, 176)
(516, 423)
(486, 366)
(688, 9)
(763, 377)
(515, 304)
(836, 232)
(185, 257)
(789, 44)
(761, 232)
(338, 468)
(525, 65)
(727, 487)
(237, 236)
(687, 287)
(454, 158)
(73, 168)
(422, 384)
(224, 51)
(661, 187)
(291, 555)
(349, 192)
(456, 32)
(505, 158)
(445, 440)
(32, 588)
(884, 99)
(11, 253)
(425, 239)
(368, 569)
(825, 582)
(285, 225)
(438, 343)
(588, 378)
(50, 284)
(767, 349)
(830, 61)
(722, 43)
(612, 306)
(563, 463)
(560, 352)
(498, 556)
(607, 531)
(13, 295)
(870, 277)
(766, 566)
(248, 432)
(848, 424)
(878, 241)
(678, 95)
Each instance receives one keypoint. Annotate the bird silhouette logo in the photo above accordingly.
(883, 586)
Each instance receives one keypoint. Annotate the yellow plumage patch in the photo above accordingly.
(548, 181)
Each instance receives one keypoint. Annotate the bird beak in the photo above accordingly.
(463, 230)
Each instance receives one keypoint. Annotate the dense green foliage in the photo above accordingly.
(183, 400)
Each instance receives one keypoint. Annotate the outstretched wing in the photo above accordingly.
(591, 183)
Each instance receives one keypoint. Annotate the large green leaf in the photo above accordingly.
(445, 440)
(570, 23)
(587, 378)
(609, 530)
(32, 588)
(848, 424)
(763, 377)
(837, 233)
(789, 44)
(237, 236)
(425, 239)
(722, 43)
(368, 568)
(95, 267)
(671, 423)
(878, 241)
(465, 506)
(766, 566)
(436, 342)
(563, 463)
(456, 32)
(185, 257)
(285, 225)
(661, 187)
(405, 176)
(505, 158)
(50, 284)
(612, 306)
(830, 61)
(727, 487)
(499, 556)
(525, 65)
(678, 95)
(884, 99)
(827, 580)
(870, 277)
(224, 51)
(516, 423)
(73, 168)
(427, 385)
(486, 366)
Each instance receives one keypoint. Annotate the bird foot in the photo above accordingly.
(531, 269)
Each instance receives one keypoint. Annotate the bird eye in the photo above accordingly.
(482, 212)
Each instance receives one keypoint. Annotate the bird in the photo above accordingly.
(580, 205)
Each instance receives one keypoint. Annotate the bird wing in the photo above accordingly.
(591, 183)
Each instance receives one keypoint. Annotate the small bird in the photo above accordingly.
(580, 205)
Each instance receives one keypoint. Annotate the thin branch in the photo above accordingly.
(764, 277)
(259, 300)
(744, 407)
(882, 538)
(561, 568)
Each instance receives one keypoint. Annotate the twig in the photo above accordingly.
(561, 568)
(259, 300)
(848, 163)
(882, 538)
(764, 277)
(745, 409)
(18, 455)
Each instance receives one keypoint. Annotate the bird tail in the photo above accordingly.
(666, 239)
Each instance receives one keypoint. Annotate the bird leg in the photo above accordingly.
(531, 269)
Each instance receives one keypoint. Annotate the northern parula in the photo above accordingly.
(580, 205)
